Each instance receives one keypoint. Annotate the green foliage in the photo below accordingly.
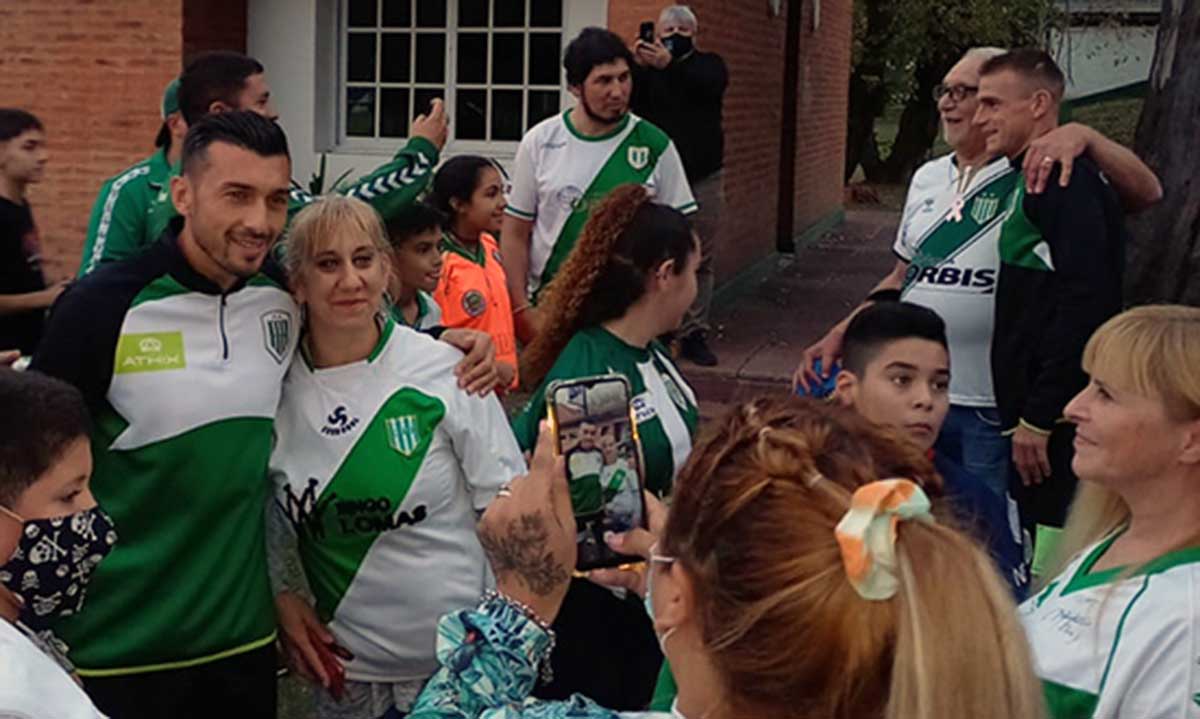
(316, 183)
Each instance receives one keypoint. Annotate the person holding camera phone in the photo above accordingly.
(682, 89)
(630, 279)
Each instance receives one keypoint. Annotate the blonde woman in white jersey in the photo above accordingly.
(1116, 632)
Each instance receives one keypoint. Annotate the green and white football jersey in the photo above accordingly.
(381, 466)
(560, 175)
(954, 259)
(1127, 649)
(664, 405)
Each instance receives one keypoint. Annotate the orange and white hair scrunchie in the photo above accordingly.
(867, 534)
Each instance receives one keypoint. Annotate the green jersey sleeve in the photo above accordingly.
(116, 228)
(392, 186)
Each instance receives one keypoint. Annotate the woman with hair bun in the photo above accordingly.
(800, 574)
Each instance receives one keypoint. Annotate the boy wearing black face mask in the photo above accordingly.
(681, 89)
(52, 535)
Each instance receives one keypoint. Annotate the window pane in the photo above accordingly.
(472, 13)
(469, 115)
(544, 60)
(431, 13)
(472, 57)
(360, 57)
(545, 13)
(508, 50)
(422, 99)
(431, 57)
(506, 115)
(360, 112)
(397, 13)
(542, 104)
(395, 65)
(508, 13)
(361, 13)
(393, 112)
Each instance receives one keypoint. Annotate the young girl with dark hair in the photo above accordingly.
(473, 289)
(630, 279)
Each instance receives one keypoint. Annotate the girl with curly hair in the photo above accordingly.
(630, 278)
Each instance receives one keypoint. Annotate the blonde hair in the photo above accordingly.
(314, 226)
(1150, 351)
(752, 522)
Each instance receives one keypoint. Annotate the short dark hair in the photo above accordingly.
(1031, 63)
(13, 122)
(457, 180)
(411, 221)
(883, 323)
(594, 46)
(245, 129)
(211, 77)
(42, 415)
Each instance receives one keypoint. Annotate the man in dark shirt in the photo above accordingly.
(24, 296)
(1061, 261)
(681, 89)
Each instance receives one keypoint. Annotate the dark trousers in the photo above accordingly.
(605, 649)
(239, 686)
(1046, 504)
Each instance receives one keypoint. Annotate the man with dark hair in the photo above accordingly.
(1061, 262)
(567, 163)
(134, 207)
(180, 354)
(24, 296)
(682, 89)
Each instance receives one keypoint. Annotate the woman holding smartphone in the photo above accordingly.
(380, 465)
(629, 280)
(800, 574)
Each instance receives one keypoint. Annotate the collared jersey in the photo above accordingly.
(429, 314)
(473, 293)
(1114, 644)
(33, 685)
(954, 258)
(183, 382)
(664, 405)
(561, 175)
(135, 207)
(381, 466)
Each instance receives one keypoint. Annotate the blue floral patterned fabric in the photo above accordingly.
(490, 658)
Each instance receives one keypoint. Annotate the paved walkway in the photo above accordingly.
(760, 335)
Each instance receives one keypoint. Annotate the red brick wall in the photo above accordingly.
(751, 40)
(94, 72)
(823, 96)
(213, 25)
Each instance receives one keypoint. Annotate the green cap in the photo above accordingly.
(170, 101)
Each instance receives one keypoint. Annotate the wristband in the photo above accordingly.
(1036, 430)
(518, 310)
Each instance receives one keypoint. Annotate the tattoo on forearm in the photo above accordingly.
(521, 547)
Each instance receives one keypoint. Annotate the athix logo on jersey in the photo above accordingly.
(403, 434)
(277, 333)
(984, 208)
(339, 422)
(149, 352)
(643, 408)
(638, 157)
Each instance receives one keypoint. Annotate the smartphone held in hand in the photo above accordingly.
(646, 32)
(594, 430)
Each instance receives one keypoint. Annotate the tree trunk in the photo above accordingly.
(917, 130)
(867, 102)
(1164, 258)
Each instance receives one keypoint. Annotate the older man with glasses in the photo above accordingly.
(948, 257)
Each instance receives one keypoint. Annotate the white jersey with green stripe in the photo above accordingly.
(381, 466)
(950, 235)
(560, 175)
(1114, 644)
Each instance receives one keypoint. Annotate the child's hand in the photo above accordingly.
(434, 127)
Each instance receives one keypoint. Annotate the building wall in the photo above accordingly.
(213, 25)
(94, 73)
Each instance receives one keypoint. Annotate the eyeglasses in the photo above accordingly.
(958, 93)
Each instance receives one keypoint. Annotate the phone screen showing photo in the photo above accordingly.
(595, 434)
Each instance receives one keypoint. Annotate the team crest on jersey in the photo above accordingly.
(638, 157)
(403, 434)
(473, 303)
(674, 392)
(277, 334)
(984, 208)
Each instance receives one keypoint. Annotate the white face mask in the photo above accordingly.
(649, 601)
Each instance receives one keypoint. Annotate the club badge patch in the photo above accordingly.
(473, 303)
(277, 333)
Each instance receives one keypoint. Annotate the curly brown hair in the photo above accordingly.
(624, 240)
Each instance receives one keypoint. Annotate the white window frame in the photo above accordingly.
(330, 120)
